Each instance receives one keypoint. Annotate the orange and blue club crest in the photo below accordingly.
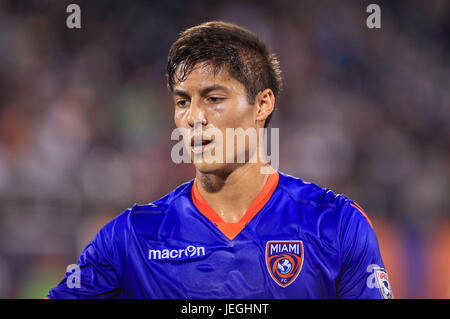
(284, 260)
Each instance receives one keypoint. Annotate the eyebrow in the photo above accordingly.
(203, 91)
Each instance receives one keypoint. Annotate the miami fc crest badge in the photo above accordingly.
(284, 260)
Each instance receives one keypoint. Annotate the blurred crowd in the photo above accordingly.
(85, 122)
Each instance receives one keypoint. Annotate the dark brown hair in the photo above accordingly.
(221, 44)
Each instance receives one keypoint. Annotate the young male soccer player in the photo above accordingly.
(232, 232)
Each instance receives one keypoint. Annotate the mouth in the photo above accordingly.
(200, 144)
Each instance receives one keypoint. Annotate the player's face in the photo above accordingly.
(207, 101)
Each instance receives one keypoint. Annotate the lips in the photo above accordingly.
(201, 143)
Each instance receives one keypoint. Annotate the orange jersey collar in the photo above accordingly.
(231, 230)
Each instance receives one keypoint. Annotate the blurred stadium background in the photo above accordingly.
(85, 122)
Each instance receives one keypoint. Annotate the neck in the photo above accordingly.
(230, 194)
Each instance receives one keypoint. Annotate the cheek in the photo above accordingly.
(233, 114)
(180, 118)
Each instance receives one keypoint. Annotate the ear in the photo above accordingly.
(265, 103)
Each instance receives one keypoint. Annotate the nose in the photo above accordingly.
(196, 116)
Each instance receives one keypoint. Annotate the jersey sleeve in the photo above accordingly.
(96, 274)
(363, 275)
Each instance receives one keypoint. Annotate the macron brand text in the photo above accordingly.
(182, 253)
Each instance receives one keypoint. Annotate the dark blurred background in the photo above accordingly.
(85, 122)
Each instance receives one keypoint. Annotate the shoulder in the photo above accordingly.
(308, 193)
(311, 195)
(320, 202)
(145, 217)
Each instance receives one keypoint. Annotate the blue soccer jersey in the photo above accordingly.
(297, 240)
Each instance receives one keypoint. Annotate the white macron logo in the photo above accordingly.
(189, 251)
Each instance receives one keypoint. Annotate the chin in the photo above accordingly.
(208, 168)
(214, 168)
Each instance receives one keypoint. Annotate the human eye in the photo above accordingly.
(181, 103)
(215, 99)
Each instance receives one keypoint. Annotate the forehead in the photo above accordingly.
(204, 75)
